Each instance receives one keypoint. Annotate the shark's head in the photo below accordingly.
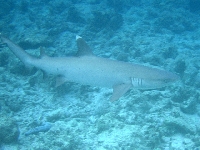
(159, 80)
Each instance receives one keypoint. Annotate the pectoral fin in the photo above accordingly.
(60, 80)
(119, 90)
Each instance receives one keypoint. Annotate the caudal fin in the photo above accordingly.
(18, 51)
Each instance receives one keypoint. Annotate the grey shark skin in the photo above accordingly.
(87, 69)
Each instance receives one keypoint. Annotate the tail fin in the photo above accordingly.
(18, 51)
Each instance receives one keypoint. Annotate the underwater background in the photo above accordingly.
(35, 115)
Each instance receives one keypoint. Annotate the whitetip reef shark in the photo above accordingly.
(87, 69)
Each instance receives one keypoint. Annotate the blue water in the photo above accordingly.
(162, 34)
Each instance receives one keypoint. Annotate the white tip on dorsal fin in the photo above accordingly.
(78, 37)
(83, 48)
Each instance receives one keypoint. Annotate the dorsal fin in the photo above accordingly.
(83, 48)
(42, 52)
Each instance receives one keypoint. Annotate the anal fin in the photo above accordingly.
(119, 90)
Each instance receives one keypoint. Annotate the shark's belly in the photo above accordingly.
(96, 77)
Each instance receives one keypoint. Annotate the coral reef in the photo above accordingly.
(9, 131)
(108, 21)
(157, 33)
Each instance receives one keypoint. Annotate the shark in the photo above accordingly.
(87, 69)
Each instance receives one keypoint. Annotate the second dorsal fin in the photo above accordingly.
(83, 48)
(42, 52)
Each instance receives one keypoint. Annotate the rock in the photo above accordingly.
(180, 66)
(43, 128)
(179, 125)
(55, 116)
(109, 21)
(194, 5)
(75, 16)
(9, 131)
(189, 106)
(3, 59)
(6, 7)
(2, 70)
(17, 106)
